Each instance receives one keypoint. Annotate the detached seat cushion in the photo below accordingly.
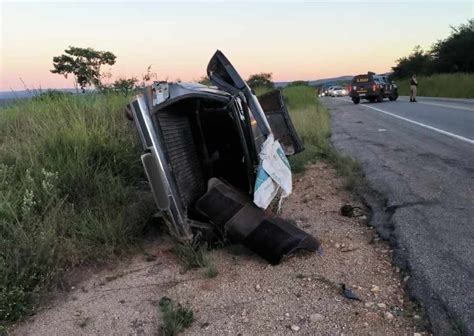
(269, 237)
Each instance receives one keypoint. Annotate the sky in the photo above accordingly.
(292, 40)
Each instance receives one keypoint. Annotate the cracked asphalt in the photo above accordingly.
(418, 159)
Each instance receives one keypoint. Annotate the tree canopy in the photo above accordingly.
(455, 53)
(84, 64)
(452, 54)
(260, 80)
(299, 83)
(418, 62)
(125, 85)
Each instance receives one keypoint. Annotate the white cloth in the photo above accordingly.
(274, 172)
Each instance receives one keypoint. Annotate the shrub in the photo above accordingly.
(175, 316)
(69, 191)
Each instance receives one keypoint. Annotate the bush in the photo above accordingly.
(69, 177)
(175, 316)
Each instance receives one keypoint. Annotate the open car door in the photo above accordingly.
(277, 115)
(223, 74)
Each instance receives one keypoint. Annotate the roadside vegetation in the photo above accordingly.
(453, 85)
(313, 124)
(444, 70)
(70, 192)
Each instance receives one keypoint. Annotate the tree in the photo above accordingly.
(84, 64)
(418, 62)
(204, 81)
(456, 52)
(125, 85)
(453, 54)
(260, 80)
(299, 83)
(149, 76)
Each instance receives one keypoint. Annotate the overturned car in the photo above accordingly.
(215, 158)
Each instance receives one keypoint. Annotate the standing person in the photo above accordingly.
(413, 87)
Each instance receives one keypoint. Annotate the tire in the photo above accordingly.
(356, 100)
(379, 98)
(371, 99)
(393, 97)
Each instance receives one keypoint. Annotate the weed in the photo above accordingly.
(83, 322)
(211, 271)
(299, 276)
(149, 257)
(191, 256)
(175, 316)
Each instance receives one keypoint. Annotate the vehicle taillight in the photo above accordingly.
(374, 87)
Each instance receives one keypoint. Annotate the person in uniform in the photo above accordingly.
(413, 87)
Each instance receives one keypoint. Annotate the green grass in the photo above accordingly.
(211, 271)
(456, 85)
(175, 317)
(69, 177)
(313, 124)
(191, 256)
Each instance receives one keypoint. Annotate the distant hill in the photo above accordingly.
(10, 97)
(325, 81)
(318, 82)
(21, 94)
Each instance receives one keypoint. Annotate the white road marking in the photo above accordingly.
(469, 141)
(449, 106)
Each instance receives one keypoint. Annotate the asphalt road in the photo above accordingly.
(419, 162)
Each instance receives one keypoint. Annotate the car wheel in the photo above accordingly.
(379, 98)
(356, 100)
(371, 99)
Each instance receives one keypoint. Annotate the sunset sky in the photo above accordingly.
(303, 40)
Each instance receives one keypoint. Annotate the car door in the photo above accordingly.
(277, 115)
(223, 74)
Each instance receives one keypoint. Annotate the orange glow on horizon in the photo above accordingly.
(307, 45)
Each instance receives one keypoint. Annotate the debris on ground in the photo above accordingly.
(348, 210)
(348, 293)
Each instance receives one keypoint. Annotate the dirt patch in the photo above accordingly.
(302, 295)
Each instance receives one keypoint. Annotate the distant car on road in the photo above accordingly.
(372, 87)
(330, 90)
(338, 91)
(325, 91)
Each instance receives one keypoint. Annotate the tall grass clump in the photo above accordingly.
(176, 317)
(313, 124)
(452, 85)
(70, 181)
